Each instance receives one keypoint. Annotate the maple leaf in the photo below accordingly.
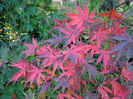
(63, 82)
(103, 92)
(68, 70)
(116, 87)
(68, 95)
(117, 30)
(75, 53)
(71, 33)
(91, 69)
(100, 35)
(118, 90)
(50, 56)
(45, 87)
(60, 23)
(62, 96)
(35, 73)
(109, 68)
(93, 47)
(125, 73)
(47, 53)
(21, 65)
(31, 48)
(105, 56)
(50, 75)
(112, 15)
(78, 19)
(125, 45)
(73, 74)
(56, 40)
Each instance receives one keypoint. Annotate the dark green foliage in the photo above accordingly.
(23, 16)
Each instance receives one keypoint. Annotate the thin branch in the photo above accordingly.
(109, 5)
(120, 4)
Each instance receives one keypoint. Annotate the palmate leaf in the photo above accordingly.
(63, 83)
(45, 86)
(78, 19)
(31, 48)
(75, 53)
(21, 65)
(68, 95)
(99, 36)
(60, 24)
(127, 74)
(92, 71)
(68, 70)
(117, 90)
(47, 53)
(125, 46)
(71, 33)
(112, 15)
(104, 55)
(103, 92)
(35, 73)
(56, 40)
(50, 56)
(117, 30)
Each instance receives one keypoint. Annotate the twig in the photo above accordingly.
(109, 5)
(121, 4)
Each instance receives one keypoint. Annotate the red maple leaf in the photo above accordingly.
(35, 73)
(104, 93)
(60, 24)
(118, 90)
(78, 19)
(71, 33)
(126, 74)
(50, 56)
(103, 55)
(117, 30)
(75, 53)
(68, 70)
(112, 15)
(47, 53)
(21, 65)
(31, 48)
(98, 35)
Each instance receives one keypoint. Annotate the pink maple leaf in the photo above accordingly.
(117, 30)
(99, 36)
(71, 33)
(118, 90)
(75, 53)
(59, 24)
(78, 19)
(21, 65)
(35, 73)
(104, 55)
(50, 56)
(103, 92)
(126, 74)
(31, 48)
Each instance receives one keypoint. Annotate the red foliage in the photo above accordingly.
(68, 64)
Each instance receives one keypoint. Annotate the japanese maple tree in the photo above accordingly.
(97, 68)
